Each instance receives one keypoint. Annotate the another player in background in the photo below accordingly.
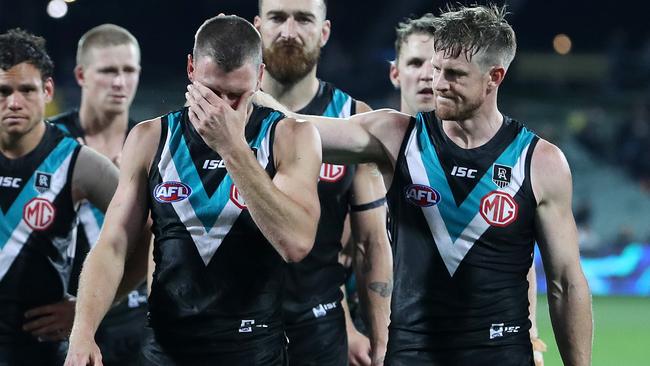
(317, 321)
(45, 176)
(108, 70)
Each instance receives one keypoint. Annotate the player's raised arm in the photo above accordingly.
(568, 293)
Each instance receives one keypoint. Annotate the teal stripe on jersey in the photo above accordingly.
(339, 99)
(10, 220)
(457, 218)
(207, 209)
(98, 215)
(62, 127)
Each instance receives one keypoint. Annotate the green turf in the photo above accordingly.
(621, 331)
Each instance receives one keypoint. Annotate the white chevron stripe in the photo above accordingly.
(453, 253)
(22, 232)
(208, 242)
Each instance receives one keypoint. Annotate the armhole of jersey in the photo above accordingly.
(272, 142)
(528, 183)
(70, 173)
(401, 156)
(353, 107)
(164, 130)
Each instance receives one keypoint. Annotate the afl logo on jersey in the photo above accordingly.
(421, 195)
(168, 192)
(331, 173)
(39, 214)
(499, 209)
(237, 198)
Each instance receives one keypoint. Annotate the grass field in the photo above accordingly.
(621, 331)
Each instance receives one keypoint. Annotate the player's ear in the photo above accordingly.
(393, 74)
(325, 32)
(257, 22)
(79, 75)
(48, 88)
(496, 76)
(190, 67)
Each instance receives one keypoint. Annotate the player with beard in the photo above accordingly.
(316, 319)
(108, 70)
(469, 197)
(411, 72)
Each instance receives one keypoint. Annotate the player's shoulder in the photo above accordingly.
(294, 131)
(550, 172)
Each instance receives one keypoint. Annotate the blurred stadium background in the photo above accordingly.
(581, 79)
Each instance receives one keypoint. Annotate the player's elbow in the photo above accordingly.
(298, 249)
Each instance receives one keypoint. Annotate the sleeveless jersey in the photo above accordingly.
(462, 233)
(218, 282)
(37, 224)
(91, 220)
(313, 284)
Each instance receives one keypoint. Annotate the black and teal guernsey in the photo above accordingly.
(313, 284)
(91, 220)
(217, 284)
(462, 238)
(37, 226)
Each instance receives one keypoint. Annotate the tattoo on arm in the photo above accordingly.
(384, 289)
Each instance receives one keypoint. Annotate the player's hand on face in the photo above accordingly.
(83, 351)
(220, 125)
(51, 322)
(358, 348)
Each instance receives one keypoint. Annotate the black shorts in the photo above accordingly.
(273, 353)
(318, 341)
(511, 355)
(119, 337)
(33, 354)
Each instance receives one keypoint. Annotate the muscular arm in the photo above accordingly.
(119, 252)
(285, 209)
(373, 136)
(373, 257)
(94, 178)
(568, 292)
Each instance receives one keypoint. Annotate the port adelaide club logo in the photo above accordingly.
(421, 195)
(169, 192)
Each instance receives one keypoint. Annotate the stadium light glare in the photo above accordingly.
(57, 9)
(69, 1)
(562, 44)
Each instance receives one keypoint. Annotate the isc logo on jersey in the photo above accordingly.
(499, 209)
(168, 192)
(10, 182)
(237, 198)
(421, 195)
(331, 173)
(39, 214)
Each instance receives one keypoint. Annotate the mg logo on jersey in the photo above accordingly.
(499, 209)
(39, 214)
(331, 173)
(421, 195)
(168, 192)
(237, 198)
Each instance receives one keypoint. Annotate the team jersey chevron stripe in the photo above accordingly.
(456, 229)
(14, 231)
(207, 219)
(340, 105)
